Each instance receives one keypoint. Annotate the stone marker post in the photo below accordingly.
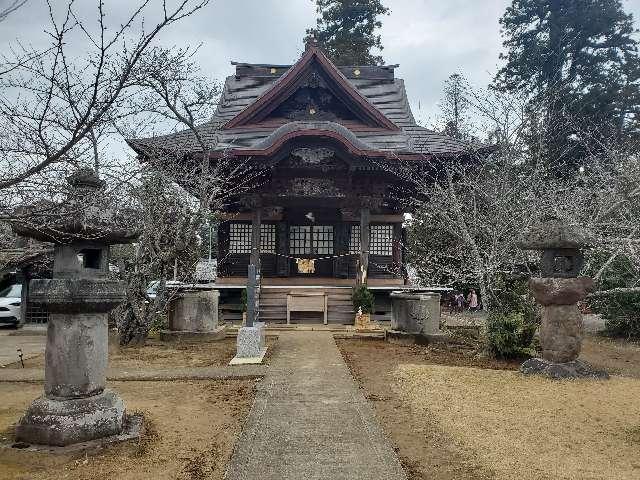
(251, 295)
(251, 346)
(558, 291)
(76, 405)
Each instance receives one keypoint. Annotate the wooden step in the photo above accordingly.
(340, 303)
(272, 315)
(328, 290)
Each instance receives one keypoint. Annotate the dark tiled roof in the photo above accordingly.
(388, 96)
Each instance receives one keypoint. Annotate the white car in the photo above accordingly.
(10, 299)
(152, 288)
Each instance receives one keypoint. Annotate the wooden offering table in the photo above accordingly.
(306, 302)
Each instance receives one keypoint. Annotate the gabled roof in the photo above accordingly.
(240, 125)
(313, 61)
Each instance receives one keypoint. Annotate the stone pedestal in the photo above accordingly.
(76, 406)
(561, 330)
(415, 315)
(76, 355)
(251, 345)
(193, 316)
(73, 420)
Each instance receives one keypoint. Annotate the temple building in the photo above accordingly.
(329, 206)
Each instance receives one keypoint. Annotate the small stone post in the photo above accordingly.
(76, 405)
(251, 295)
(251, 347)
(558, 291)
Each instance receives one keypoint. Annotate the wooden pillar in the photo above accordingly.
(224, 264)
(363, 264)
(282, 261)
(255, 237)
(397, 250)
(341, 264)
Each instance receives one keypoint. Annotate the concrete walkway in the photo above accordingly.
(310, 420)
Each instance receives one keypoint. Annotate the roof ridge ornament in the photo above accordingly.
(311, 42)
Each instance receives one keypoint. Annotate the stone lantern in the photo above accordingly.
(76, 405)
(558, 291)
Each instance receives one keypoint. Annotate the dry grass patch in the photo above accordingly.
(616, 356)
(157, 354)
(164, 355)
(191, 428)
(532, 428)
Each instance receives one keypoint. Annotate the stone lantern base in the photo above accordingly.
(415, 318)
(559, 371)
(193, 317)
(65, 422)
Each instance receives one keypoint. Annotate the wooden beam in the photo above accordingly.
(268, 215)
(239, 216)
(326, 282)
(388, 218)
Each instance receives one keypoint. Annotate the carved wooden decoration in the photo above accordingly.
(313, 101)
(309, 187)
(313, 156)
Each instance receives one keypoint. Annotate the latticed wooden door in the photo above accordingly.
(314, 242)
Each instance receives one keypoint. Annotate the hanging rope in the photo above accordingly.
(329, 257)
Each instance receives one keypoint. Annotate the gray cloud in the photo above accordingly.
(430, 39)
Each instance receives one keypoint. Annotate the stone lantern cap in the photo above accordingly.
(553, 233)
(86, 213)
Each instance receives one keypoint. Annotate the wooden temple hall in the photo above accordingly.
(327, 211)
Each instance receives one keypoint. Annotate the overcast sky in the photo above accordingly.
(430, 39)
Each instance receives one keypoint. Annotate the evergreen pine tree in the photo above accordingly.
(579, 61)
(346, 30)
(454, 107)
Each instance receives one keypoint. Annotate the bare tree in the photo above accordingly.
(181, 186)
(12, 6)
(472, 210)
(58, 112)
(56, 107)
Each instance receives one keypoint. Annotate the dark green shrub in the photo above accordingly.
(621, 313)
(514, 296)
(159, 322)
(362, 298)
(509, 335)
(620, 310)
